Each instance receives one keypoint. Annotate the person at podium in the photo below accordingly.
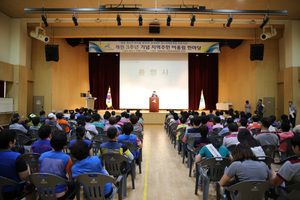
(154, 94)
(88, 94)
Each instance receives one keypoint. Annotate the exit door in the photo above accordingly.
(38, 104)
(270, 104)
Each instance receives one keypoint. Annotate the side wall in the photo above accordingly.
(60, 82)
(241, 79)
(237, 76)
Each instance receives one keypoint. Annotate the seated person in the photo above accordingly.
(231, 139)
(182, 125)
(286, 133)
(97, 122)
(29, 121)
(90, 127)
(203, 140)
(290, 171)
(174, 120)
(72, 121)
(35, 124)
(66, 115)
(244, 136)
(218, 123)
(86, 164)
(60, 120)
(52, 121)
(42, 117)
(205, 121)
(136, 127)
(112, 122)
(255, 123)
(113, 146)
(140, 116)
(192, 132)
(80, 115)
(12, 164)
(58, 163)
(211, 115)
(129, 138)
(244, 167)
(125, 117)
(242, 123)
(15, 125)
(106, 117)
(80, 132)
(206, 153)
(226, 130)
(119, 123)
(265, 137)
(42, 145)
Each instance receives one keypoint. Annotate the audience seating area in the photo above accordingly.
(91, 185)
(214, 167)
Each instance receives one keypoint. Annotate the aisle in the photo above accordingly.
(167, 177)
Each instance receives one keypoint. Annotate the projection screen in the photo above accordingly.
(143, 73)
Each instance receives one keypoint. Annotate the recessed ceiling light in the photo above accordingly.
(97, 20)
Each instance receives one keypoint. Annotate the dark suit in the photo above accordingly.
(154, 95)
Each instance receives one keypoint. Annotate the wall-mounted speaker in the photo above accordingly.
(256, 52)
(51, 52)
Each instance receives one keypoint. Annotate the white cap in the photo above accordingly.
(51, 115)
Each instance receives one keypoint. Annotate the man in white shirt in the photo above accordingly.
(292, 113)
(248, 107)
(88, 94)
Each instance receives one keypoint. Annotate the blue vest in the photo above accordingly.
(90, 165)
(112, 147)
(8, 168)
(41, 146)
(260, 108)
(55, 162)
(132, 139)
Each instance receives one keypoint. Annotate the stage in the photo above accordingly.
(150, 118)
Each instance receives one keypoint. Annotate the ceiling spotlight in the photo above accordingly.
(265, 21)
(119, 19)
(140, 20)
(193, 19)
(253, 21)
(74, 18)
(97, 20)
(229, 20)
(212, 21)
(44, 18)
(169, 20)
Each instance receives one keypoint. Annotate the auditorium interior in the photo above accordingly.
(27, 75)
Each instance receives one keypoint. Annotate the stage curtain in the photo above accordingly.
(104, 71)
(203, 74)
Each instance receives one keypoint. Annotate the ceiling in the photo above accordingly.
(15, 9)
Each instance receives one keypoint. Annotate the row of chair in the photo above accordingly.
(216, 166)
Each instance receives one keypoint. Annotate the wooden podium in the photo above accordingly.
(154, 104)
(90, 102)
